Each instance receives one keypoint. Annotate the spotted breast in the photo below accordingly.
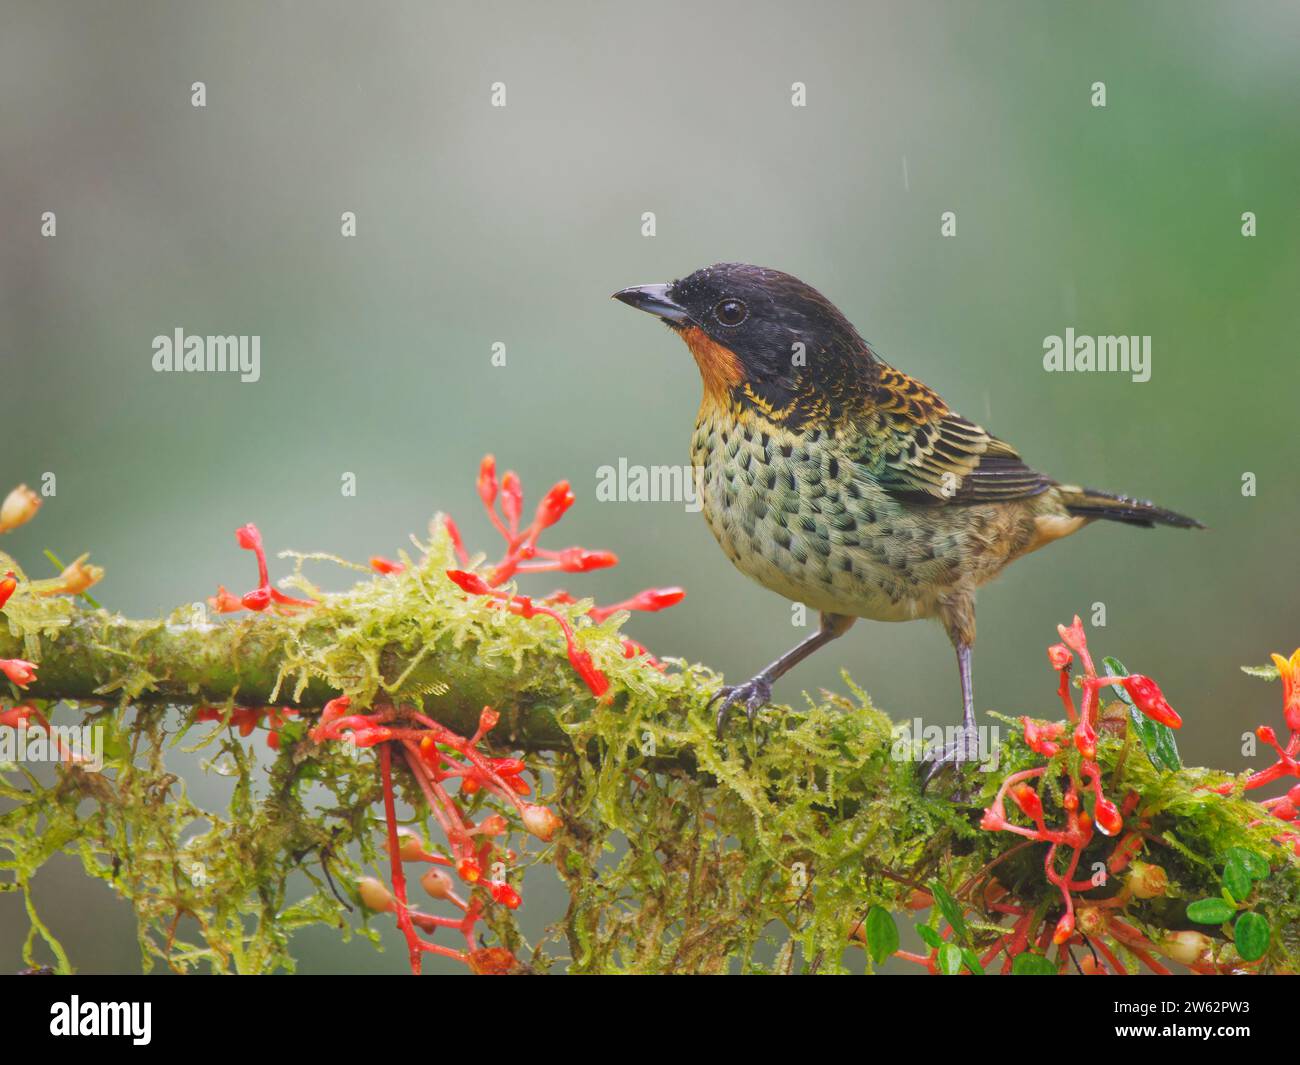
(796, 513)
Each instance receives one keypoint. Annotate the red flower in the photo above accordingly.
(1287, 668)
(552, 507)
(1148, 698)
(650, 600)
(17, 717)
(1064, 929)
(504, 894)
(512, 499)
(469, 582)
(250, 539)
(487, 481)
(21, 672)
(223, 602)
(7, 585)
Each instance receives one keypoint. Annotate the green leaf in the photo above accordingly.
(1032, 965)
(949, 908)
(1256, 865)
(1157, 739)
(882, 934)
(950, 959)
(972, 961)
(1251, 933)
(931, 937)
(1263, 672)
(1237, 880)
(1209, 911)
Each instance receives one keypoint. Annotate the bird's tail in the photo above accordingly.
(1089, 503)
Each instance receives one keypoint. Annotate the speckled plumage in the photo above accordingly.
(838, 481)
(802, 514)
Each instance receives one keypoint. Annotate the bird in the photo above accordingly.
(837, 481)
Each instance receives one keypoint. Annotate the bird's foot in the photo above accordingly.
(754, 694)
(964, 748)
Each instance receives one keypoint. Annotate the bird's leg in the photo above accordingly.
(756, 692)
(966, 746)
(958, 616)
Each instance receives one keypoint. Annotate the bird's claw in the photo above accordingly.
(965, 748)
(754, 694)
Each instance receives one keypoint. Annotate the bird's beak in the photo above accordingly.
(654, 299)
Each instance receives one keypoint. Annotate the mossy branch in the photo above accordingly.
(802, 826)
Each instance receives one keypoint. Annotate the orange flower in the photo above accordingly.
(19, 507)
(1289, 670)
(76, 578)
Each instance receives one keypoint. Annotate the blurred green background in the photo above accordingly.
(478, 224)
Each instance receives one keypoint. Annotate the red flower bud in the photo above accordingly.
(505, 894)
(1108, 817)
(1059, 655)
(7, 586)
(1085, 739)
(493, 825)
(386, 565)
(249, 537)
(17, 717)
(487, 481)
(223, 602)
(512, 499)
(580, 560)
(1148, 698)
(553, 505)
(1027, 799)
(656, 598)
(1039, 736)
(1064, 929)
(1073, 637)
(469, 581)
(257, 599)
(18, 670)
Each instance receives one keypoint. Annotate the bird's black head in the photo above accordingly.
(759, 332)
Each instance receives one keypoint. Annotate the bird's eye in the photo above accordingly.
(731, 312)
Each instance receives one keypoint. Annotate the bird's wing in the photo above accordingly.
(916, 448)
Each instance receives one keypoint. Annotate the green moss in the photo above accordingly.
(680, 854)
